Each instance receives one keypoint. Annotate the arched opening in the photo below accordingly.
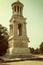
(19, 29)
(18, 9)
(15, 8)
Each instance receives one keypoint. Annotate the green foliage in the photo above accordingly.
(4, 31)
(36, 51)
(41, 47)
(3, 40)
(31, 50)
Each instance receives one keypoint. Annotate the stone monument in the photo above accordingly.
(18, 40)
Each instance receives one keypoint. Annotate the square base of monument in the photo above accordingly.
(19, 52)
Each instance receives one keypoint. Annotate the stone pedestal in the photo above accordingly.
(19, 52)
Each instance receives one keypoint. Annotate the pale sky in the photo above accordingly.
(33, 11)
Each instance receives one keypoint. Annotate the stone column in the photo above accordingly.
(19, 9)
(24, 29)
(15, 29)
(16, 9)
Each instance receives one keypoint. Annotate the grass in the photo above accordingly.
(29, 62)
(25, 62)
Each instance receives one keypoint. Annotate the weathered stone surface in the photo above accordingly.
(18, 40)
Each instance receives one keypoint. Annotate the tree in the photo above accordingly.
(36, 51)
(41, 47)
(31, 50)
(3, 40)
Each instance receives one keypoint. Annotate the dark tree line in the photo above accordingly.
(3, 40)
(41, 48)
(37, 50)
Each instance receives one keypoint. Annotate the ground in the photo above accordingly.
(32, 62)
(26, 62)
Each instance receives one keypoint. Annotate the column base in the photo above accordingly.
(18, 52)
